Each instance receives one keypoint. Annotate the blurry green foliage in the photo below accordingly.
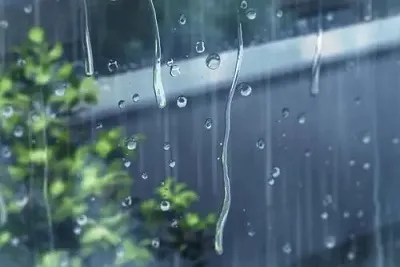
(50, 179)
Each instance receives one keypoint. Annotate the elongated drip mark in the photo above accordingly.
(158, 86)
(3, 211)
(316, 65)
(219, 232)
(86, 42)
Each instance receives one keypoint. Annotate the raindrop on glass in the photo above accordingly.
(77, 230)
(251, 14)
(279, 13)
(3, 24)
(121, 104)
(164, 206)
(351, 255)
(182, 19)
(120, 252)
(285, 113)
(172, 163)
(271, 182)
(366, 166)
(28, 9)
(127, 164)
(208, 124)
(8, 111)
(260, 144)
(251, 233)
(366, 139)
(6, 152)
(145, 176)
(346, 214)
(174, 223)
(327, 200)
(352, 162)
(181, 102)
(200, 47)
(301, 119)
(395, 141)
(127, 202)
(82, 220)
(276, 172)
(131, 144)
(155, 243)
(170, 62)
(112, 65)
(174, 71)
(99, 125)
(330, 242)
(287, 248)
(324, 215)
(213, 61)
(166, 146)
(245, 89)
(135, 98)
(243, 4)
(15, 241)
(60, 90)
(18, 131)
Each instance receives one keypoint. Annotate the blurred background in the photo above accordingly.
(314, 174)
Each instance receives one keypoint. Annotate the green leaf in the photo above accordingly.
(99, 233)
(103, 148)
(56, 52)
(65, 71)
(57, 188)
(4, 238)
(17, 172)
(5, 84)
(36, 35)
(192, 219)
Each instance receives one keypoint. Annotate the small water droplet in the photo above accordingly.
(395, 141)
(8, 111)
(155, 243)
(366, 166)
(136, 98)
(200, 47)
(127, 202)
(182, 19)
(60, 90)
(172, 163)
(351, 255)
(279, 13)
(287, 248)
(112, 65)
(285, 113)
(164, 206)
(127, 164)
(271, 182)
(174, 71)
(144, 176)
(324, 215)
(170, 62)
(131, 144)
(6, 152)
(357, 100)
(181, 102)
(213, 61)
(243, 4)
(360, 213)
(18, 131)
(307, 153)
(77, 230)
(82, 220)
(276, 172)
(245, 89)
(260, 144)
(99, 125)
(174, 223)
(251, 14)
(208, 124)
(166, 146)
(301, 119)
(330, 242)
(366, 139)
(251, 233)
(346, 214)
(120, 252)
(352, 162)
(3, 24)
(329, 16)
(327, 200)
(121, 104)
(28, 9)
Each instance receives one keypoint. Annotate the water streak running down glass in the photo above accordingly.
(157, 79)
(316, 65)
(219, 232)
(86, 43)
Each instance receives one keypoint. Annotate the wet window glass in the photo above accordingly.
(199, 133)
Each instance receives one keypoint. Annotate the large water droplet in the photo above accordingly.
(166, 146)
(366, 166)
(18, 131)
(260, 144)
(287, 248)
(131, 144)
(155, 243)
(330, 242)
(6, 152)
(276, 172)
(208, 124)
(251, 14)
(136, 98)
(164, 206)
(172, 163)
(82, 220)
(175, 71)
(200, 47)
(182, 19)
(127, 202)
(121, 104)
(8, 111)
(324, 215)
(301, 119)
(245, 89)
(213, 61)
(181, 102)
(112, 65)
(243, 4)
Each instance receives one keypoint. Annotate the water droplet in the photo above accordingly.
(279, 13)
(330, 242)
(174, 71)
(182, 19)
(245, 89)
(395, 141)
(260, 144)
(20, 62)
(351, 255)
(208, 124)
(327, 200)
(127, 202)
(8, 111)
(307, 153)
(174, 223)
(181, 102)
(136, 98)
(200, 47)
(329, 16)
(276, 172)
(166, 146)
(77, 230)
(120, 252)
(352, 162)
(131, 144)
(285, 113)
(164, 206)
(82, 220)
(112, 65)
(170, 62)
(243, 4)
(18, 131)
(15, 241)
(155, 243)
(324, 215)
(366, 139)
(301, 119)
(213, 61)
(251, 233)
(121, 104)
(366, 166)
(6, 152)
(251, 14)
(172, 163)
(346, 214)
(360, 214)
(127, 164)
(287, 248)
(60, 90)
(271, 182)
(28, 9)
(3, 24)
(144, 176)
(99, 125)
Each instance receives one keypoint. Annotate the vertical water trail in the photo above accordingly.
(3, 211)
(316, 65)
(157, 79)
(86, 43)
(219, 232)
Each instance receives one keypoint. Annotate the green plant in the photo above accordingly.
(50, 179)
